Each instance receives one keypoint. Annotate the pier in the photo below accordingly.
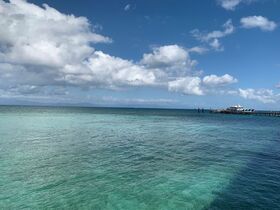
(256, 113)
(240, 110)
(271, 114)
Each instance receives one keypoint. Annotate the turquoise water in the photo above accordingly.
(102, 158)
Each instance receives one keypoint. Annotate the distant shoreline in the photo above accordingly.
(113, 107)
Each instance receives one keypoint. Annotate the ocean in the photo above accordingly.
(134, 159)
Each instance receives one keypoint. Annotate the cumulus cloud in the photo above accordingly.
(194, 85)
(213, 38)
(114, 71)
(214, 80)
(186, 85)
(47, 37)
(232, 4)
(56, 49)
(43, 51)
(173, 59)
(262, 95)
(258, 22)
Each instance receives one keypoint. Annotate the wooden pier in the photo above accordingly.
(271, 114)
(240, 110)
(256, 113)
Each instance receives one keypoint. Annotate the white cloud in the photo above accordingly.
(127, 7)
(173, 59)
(47, 37)
(232, 4)
(176, 62)
(258, 22)
(41, 46)
(262, 95)
(214, 80)
(186, 85)
(215, 44)
(43, 50)
(229, 4)
(198, 50)
(128, 101)
(113, 71)
(213, 38)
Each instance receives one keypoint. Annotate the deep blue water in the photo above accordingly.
(103, 158)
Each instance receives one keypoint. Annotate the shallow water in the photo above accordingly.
(102, 158)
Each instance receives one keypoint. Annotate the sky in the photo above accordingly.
(142, 53)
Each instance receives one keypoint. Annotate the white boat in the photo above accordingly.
(239, 109)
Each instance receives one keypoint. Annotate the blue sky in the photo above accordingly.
(180, 54)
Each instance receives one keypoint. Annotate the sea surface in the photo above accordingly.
(134, 159)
